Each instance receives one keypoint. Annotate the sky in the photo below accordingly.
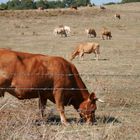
(100, 2)
(96, 2)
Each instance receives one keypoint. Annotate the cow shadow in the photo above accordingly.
(55, 120)
(100, 59)
(93, 59)
(107, 119)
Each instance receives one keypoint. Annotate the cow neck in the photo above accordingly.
(80, 84)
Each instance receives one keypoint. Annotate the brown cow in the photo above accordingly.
(86, 47)
(106, 32)
(27, 76)
(117, 16)
(91, 32)
(74, 7)
(102, 7)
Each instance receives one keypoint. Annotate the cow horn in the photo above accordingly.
(100, 100)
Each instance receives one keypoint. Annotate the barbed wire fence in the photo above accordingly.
(96, 82)
(100, 83)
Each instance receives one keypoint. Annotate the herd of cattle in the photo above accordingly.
(88, 47)
(65, 30)
(26, 76)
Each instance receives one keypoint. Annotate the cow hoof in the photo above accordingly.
(65, 123)
(94, 123)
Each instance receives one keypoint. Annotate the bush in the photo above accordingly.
(110, 3)
(41, 3)
(3, 6)
(127, 1)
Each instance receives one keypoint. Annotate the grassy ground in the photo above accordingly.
(115, 77)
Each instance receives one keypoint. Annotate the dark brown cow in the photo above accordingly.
(27, 76)
(91, 32)
(74, 7)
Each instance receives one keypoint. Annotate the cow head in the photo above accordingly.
(88, 107)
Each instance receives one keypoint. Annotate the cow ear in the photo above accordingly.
(92, 97)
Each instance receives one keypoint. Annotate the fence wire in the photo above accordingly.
(89, 75)
(68, 74)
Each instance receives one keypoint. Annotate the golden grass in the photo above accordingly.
(118, 117)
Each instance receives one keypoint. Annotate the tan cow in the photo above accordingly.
(106, 32)
(26, 76)
(88, 47)
(117, 16)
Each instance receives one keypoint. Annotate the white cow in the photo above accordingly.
(67, 28)
(60, 30)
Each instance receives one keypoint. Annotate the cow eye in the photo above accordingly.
(93, 111)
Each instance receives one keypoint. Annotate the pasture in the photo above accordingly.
(115, 78)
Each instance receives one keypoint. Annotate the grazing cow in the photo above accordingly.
(27, 76)
(40, 8)
(88, 47)
(91, 32)
(67, 28)
(61, 31)
(74, 7)
(117, 16)
(106, 32)
(102, 7)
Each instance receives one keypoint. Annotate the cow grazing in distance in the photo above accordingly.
(60, 31)
(106, 32)
(86, 47)
(118, 16)
(102, 7)
(74, 7)
(26, 76)
(66, 28)
(91, 32)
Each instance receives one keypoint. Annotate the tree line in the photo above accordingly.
(32, 4)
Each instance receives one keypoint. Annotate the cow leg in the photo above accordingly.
(42, 104)
(2, 93)
(106, 37)
(96, 55)
(103, 37)
(58, 95)
(81, 55)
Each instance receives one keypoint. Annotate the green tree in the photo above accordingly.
(3, 6)
(56, 4)
(41, 3)
(27, 4)
(20, 4)
(83, 2)
(68, 3)
(13, 4)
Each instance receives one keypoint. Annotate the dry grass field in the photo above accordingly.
(115, 77)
